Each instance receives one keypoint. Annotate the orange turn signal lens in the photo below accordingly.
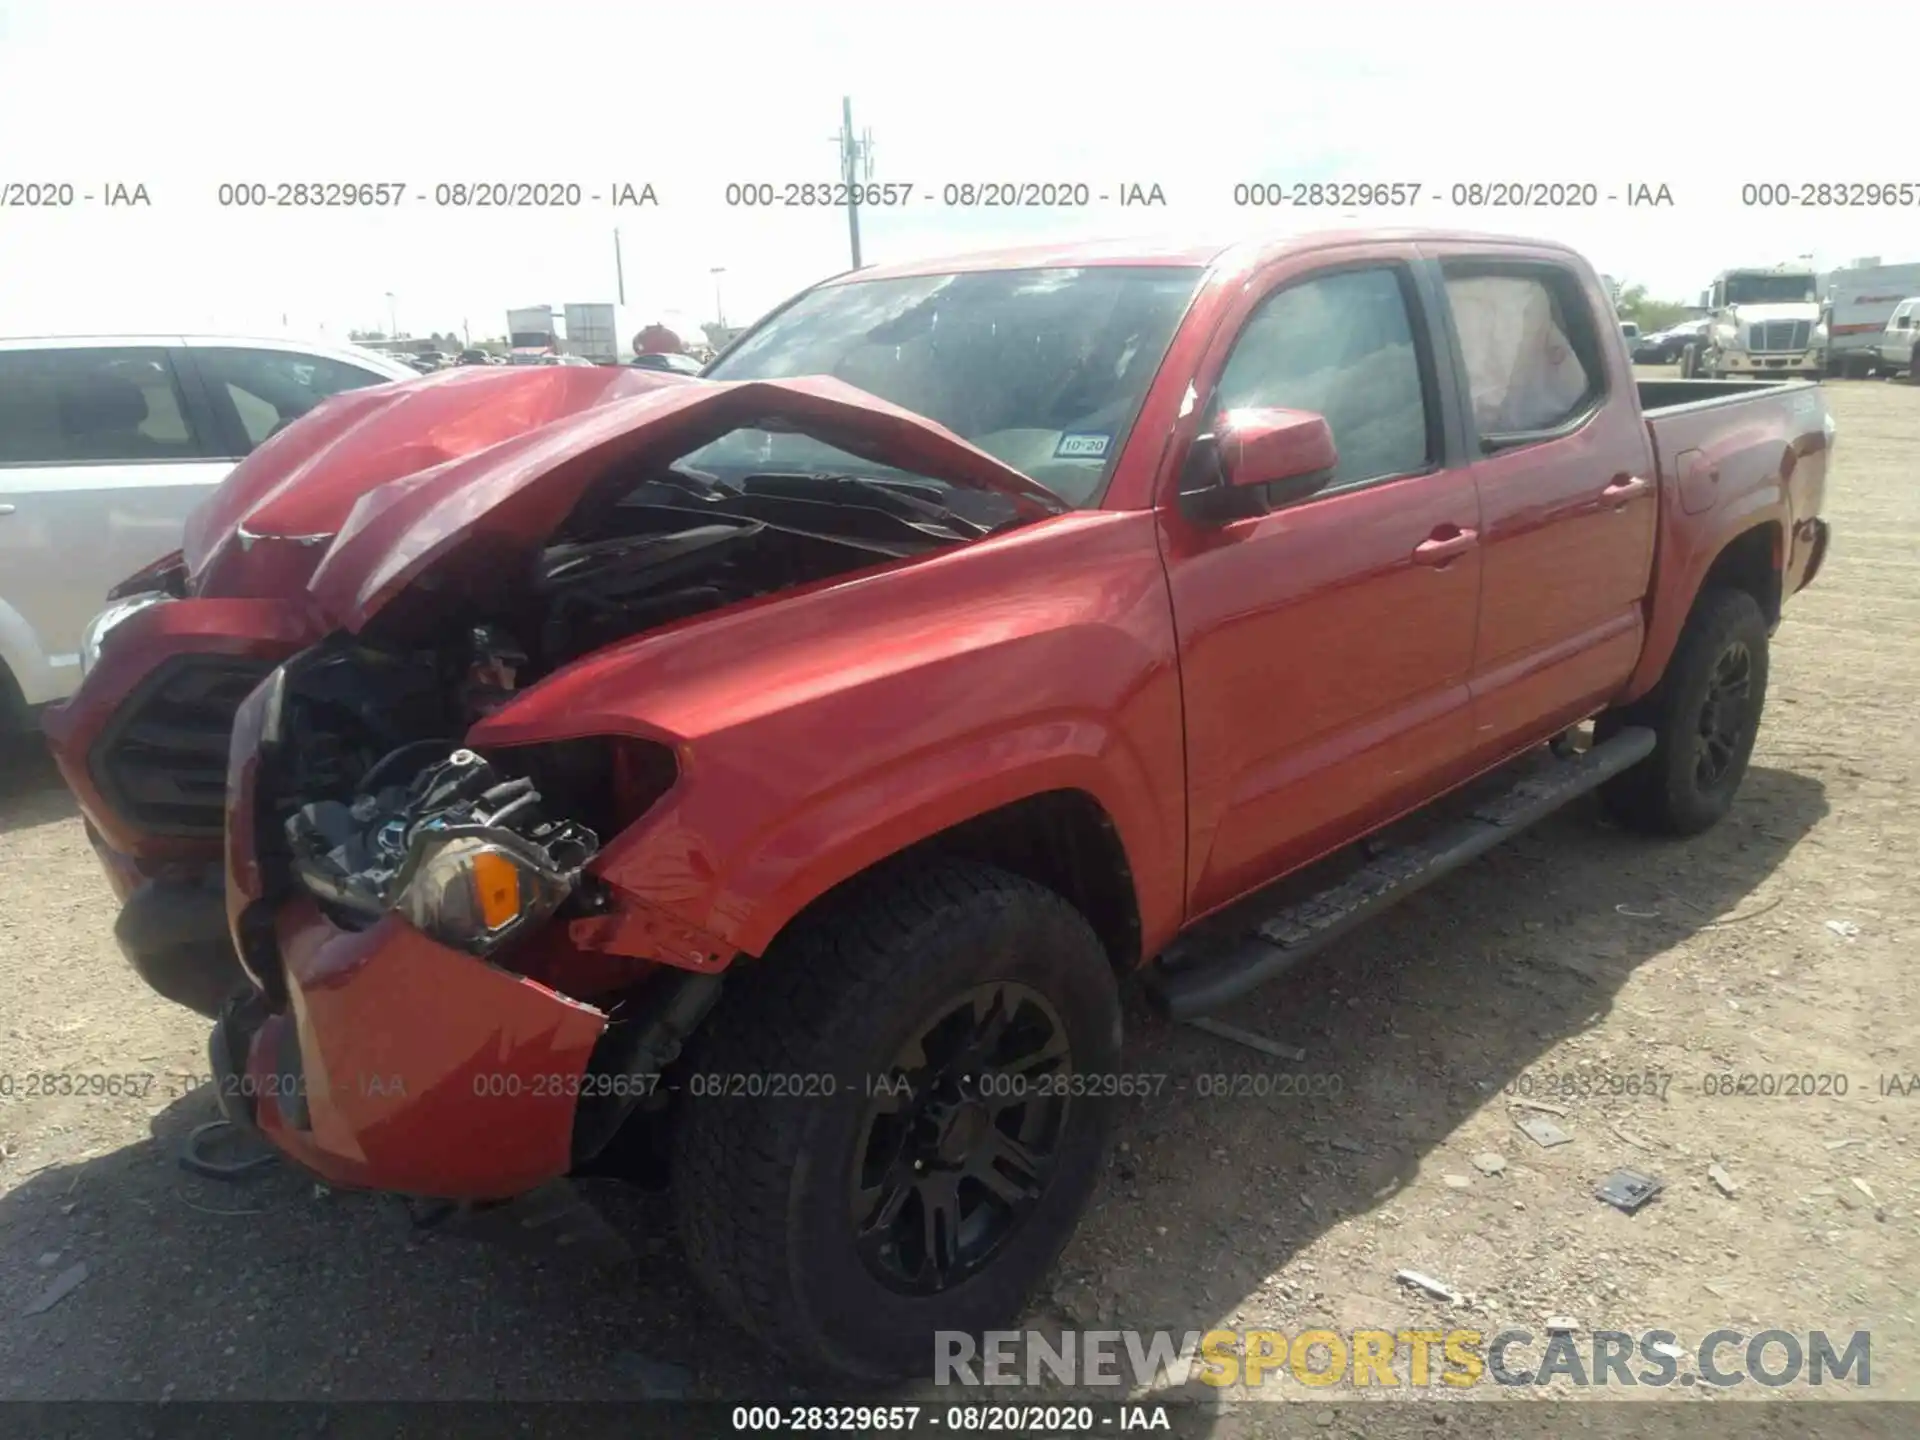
(496, 885)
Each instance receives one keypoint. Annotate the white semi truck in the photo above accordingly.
(1765, 320)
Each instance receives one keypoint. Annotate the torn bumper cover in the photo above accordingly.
(374, 1054)
(403, 1064)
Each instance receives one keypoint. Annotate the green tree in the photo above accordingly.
(1650, 315)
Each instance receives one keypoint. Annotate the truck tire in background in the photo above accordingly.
(843, 1221)
(1913, 367)
(1705, 715)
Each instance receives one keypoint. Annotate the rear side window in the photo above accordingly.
(269, 389)
(1528, 341)
(1341, 345)
(78, 407)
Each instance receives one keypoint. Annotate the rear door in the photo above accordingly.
(102, 453)
(1567, 494)
(1324, 645)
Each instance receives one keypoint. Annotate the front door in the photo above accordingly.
(1324, 645)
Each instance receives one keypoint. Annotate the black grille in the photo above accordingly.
(162, 763)
(1781, 335)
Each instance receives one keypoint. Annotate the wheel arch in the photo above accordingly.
(1064, 839)
(1751, 559)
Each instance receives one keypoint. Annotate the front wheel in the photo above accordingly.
(1705, 715)
(892, 1125)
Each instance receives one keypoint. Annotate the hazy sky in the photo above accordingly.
(1195, 97)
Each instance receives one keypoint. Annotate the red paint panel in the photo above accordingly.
(822, 729)
(426, 1071)
(1770, 455)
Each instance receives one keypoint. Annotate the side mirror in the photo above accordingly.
(1293, 448)
(1256, 458)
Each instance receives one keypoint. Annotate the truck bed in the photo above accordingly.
(1728, 452)
(1660, 397)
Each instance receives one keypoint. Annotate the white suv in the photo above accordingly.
(1898, 347)
(106, 443)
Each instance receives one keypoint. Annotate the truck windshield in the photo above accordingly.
(1042, 369)
(1770, 289)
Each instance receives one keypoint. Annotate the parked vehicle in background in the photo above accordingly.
(658, 339)
(478, 357)
(531, 333)
(1762, 321)
(1630, 332)
(678, 364)
(1859, 304)
(1664, 347)
(973, 633)
(1897, 350)
(592, 333)
(106, 443)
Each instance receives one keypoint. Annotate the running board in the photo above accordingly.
(1221, 975)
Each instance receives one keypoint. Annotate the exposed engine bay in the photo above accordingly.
(374, 805)
(454, 847)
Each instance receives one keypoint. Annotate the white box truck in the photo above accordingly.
(592, 333)
(1860, 301)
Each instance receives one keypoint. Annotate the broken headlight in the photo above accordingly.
(461, 854)
(474, 890)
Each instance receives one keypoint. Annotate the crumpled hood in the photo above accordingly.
(261, 533)
(394, 479)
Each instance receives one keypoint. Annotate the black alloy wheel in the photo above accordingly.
(961, 1137)
(1726, 715)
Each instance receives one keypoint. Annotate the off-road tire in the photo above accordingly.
(1913, 367)
(763, 1183)
(1664, 793)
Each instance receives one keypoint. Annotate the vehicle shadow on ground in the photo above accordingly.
(1426, 1017)
(274, 1287)
(31, 790)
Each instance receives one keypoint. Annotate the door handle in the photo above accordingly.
(1622, 489)
(6, 509)
(1438, 549)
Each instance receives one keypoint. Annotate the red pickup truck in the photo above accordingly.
(789, 763)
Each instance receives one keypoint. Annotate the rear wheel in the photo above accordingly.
(1913, 367)
(1705, 715)
(892, 1126)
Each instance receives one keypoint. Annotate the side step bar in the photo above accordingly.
(1221, 975)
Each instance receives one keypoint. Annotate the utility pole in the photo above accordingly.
(856, 166)
(619, 270)
(719, 310)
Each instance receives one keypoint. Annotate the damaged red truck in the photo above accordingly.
(515, 759)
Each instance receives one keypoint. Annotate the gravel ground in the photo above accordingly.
(1780, 942)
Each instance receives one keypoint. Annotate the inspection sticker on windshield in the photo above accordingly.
(1082, 445)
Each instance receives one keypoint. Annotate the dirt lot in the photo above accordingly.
(1779, 943)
